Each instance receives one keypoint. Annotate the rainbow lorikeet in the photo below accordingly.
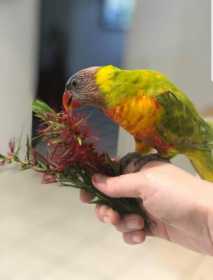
(151, 108)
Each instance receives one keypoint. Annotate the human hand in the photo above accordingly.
(179, 205)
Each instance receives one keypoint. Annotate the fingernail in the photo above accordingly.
(107, 220)
(136, 239)
(98, 178)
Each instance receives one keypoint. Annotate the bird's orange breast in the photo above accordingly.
(137, 115)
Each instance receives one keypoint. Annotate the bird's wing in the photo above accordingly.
(181, 125)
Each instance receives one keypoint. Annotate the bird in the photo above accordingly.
(151, 108)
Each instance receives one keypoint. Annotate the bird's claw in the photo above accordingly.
(133, 162)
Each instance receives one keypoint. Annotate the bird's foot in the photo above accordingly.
(133, 162)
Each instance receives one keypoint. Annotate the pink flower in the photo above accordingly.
(11, 145)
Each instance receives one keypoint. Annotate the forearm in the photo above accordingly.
(200, 218)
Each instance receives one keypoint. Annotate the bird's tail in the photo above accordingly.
(202, 158)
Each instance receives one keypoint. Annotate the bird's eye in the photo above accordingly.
(74, 83)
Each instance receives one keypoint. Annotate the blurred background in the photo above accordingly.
(82, 34)
(44, 231)
(44, 42)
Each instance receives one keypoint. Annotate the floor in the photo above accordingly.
(47, 234)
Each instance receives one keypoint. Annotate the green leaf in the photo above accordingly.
(25, 165)
(40, 166)
(40, 107)
(2, 157)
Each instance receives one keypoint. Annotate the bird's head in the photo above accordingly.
(90, 86)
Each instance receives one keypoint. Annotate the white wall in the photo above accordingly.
(18, 57)
(173, 37)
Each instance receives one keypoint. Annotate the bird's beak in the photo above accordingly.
(68, 102)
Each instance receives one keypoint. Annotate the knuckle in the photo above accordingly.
(134, 222)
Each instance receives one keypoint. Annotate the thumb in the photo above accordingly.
(128, 185)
